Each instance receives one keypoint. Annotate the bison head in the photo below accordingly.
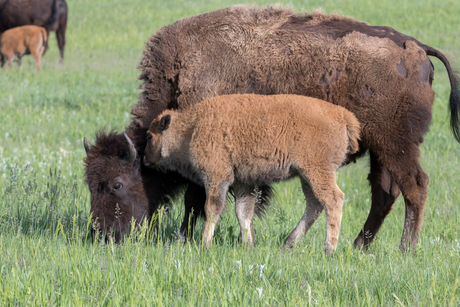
(121, 189)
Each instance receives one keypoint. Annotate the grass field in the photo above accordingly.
(46, 255)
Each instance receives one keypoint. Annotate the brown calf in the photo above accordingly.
(244, 141)
(16, 42)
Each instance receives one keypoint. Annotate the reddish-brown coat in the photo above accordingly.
(16, 42)
(244, 141)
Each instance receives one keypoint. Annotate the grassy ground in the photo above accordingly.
(46, 257)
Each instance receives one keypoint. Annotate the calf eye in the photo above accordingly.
(117, 186)
(149, 138)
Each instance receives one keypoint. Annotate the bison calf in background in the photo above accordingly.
(49, 14)
(16, 42)
(243, 141)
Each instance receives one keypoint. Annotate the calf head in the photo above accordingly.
(153, 149)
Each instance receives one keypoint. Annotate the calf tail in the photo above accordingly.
(44, 40)
(353, 131)
(43, 46)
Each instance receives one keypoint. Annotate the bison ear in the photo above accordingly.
(164, 122)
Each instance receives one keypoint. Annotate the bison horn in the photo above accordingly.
(132, 153)
(85, 143)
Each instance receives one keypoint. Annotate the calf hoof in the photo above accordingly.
(329, 249)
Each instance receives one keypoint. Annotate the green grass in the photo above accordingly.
(47, 258)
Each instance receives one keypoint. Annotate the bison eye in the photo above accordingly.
(149, 138)
(117, 186)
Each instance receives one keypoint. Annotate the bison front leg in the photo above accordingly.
(194, 199)
(384, 193)
(215, 204)
(245, 201)
(9, 61)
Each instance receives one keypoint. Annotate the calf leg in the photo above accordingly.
(328, 193)
(312, 212)
(215, 204)
(244, 207)
(194, 199)
(325, 189)
(385, 191)
(9, 62)
(38, 61)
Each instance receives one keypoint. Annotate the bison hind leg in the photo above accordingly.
(312, 212)
(384, 191)
(324, 189)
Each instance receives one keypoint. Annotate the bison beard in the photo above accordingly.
(382, 76)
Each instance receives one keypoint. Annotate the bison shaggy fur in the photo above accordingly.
(49, 14)
(383, 76)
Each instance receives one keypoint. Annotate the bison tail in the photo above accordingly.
(53, 18)
(353, 131)
(454, 101)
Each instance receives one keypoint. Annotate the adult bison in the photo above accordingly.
(49, 14)
(382, 76)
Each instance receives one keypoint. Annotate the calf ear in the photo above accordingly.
(164, 122)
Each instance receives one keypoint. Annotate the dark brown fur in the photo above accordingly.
(49, 14)
(381, 75)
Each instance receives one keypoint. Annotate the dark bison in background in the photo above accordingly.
(49, 14)
(384, 77)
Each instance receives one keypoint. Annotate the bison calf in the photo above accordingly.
(16, 42)
(243, 141)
